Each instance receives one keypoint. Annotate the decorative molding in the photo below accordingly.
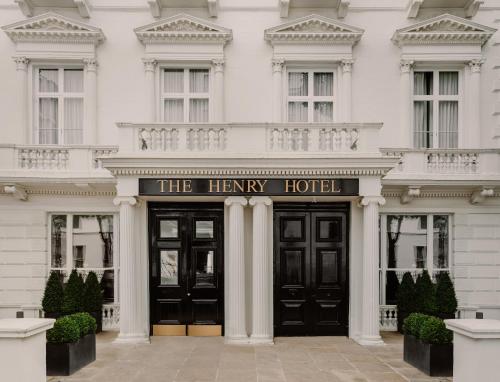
(406, 65)
(52, 27)
(435, 194)
(470, 8)
(342, 7)
(213, 7)
(480, 196)
(414, 8)
(475, 65)
(119, 200)
(21, 63)
(90, 64)
(230, 200)
(278, 64)
(26, 7)
(409, 194)
(155, 7)
(347, 65)
(284, 8)
(314, 28)
(60, 192)
(149, 64)
(218, 65)
(367, 200)
(83, 8)
(444, 29)
(473, 7)
(17, 192)
(182, 28)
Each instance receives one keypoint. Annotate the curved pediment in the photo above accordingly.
(444, 29)
(184, 28)
(52, 27)
(314, 28)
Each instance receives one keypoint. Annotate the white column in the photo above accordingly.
(261, 268)
(278, 64)
(405, 103)
(22, 101)
(370, 331)
(131, 323)
(150, 96)
(235, 326)
(473, 138)
(90, 86)
(347, 90)
(218, 65)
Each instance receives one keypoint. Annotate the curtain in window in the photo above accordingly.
(48, 80)
(198, 81)
(423, 83)
(73, 81)
(448, 83)
(323, 84)
(73, 121)
(323, 111)
(297, 84)
(47, 121)
(198, 110)
(297, 111)
(448, 124)
(173, 110)
(173, 81)
(422, 137)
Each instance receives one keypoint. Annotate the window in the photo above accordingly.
(436, 97)
(185, 95)
(58, 116)
(310, 96)
(411, 243)
(84, 242)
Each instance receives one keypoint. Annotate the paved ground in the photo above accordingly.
(190, 359)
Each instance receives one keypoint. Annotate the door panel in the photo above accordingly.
(311, 269)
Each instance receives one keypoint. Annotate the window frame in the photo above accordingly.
(186, 95)
(60, 95)
(435, 98)
(311, 98)
(430, 249)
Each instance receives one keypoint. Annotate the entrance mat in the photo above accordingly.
(169, 330)
(205, 330)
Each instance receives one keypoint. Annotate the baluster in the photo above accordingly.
(175, 139)
(195, 140)
(306, 139)
(212, 140)
(222, 139)
(297, 140)
(354, 140)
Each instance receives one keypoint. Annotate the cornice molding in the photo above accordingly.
(54, 192)
(443, 29)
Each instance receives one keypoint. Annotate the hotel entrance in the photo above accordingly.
(186, 268)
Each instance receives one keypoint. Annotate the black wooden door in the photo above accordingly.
(186, 264)
(311, 269)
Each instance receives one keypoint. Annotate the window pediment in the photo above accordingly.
(314, 28)
(444, 29)
(183, 28)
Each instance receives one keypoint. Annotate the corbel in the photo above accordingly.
(480, 196)
(414, 8)
(26, 7)
(155, 7)
(472, 8)
(16, 191)
(284, 8)
(343, 8)
(83, 8)
(409, 194)
(213, 7)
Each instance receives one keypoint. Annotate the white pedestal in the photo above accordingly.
(476, 349)
(22, 349)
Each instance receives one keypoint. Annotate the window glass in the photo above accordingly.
(198, 110)
(58, 241)
(93, 241)
(198, 81)
(173, 110)
(73, 120)
(448, 83)
(48, 80)
(169, 267)
(441, 242)
(173, 80)
(169, 229)
(298, 84)
(448, 124)
(205, 261)
(406, 241)
(423, 83)
(48, 117)
(323, 111)
(297, 111)
(423, 122)
(323, 84)
(73, 80)
(204, 229)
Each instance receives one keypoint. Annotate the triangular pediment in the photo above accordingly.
(182, 27)
(53, 27)
(444, 29)
(314, 28)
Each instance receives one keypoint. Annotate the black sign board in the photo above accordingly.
(235, 186)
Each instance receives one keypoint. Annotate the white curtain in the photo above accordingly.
(323, 84)
(422, 137)
(297, 111)
(198, 81)
(48, 80)
(423, 83)
(448, 83)
(73, 80)
(323, 111)
(173, 110)
(198, 110)
(448, 124)
(297, 84)
(47, 121)
(173, 81)
(73, 121)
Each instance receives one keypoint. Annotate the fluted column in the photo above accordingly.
(90, 132)
(218, 65)
(405, 103)
(22, 101)
(261, 269)
(235, 326)
(149, 71)
(278, 65)
(347, 90)
(131, 326)
(370, 330)
(473, 139)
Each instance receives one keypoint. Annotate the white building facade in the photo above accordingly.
(250, 168)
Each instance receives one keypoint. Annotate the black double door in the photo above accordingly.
(310, 269)
(186, 264)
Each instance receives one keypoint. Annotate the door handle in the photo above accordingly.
(188, 294)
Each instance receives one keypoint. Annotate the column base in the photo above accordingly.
(237, 340)
(261, 340)
(139, 338)
(370, 341)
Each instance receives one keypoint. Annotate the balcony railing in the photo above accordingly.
(322, 138)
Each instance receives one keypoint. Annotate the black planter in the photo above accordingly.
(54, 315)
(98, 320)
(65, 359)
(433, 360)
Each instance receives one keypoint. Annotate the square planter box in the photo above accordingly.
(433, 360)
(65, 359)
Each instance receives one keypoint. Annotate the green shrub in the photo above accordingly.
(73, 294)
(414, 322)
(433, 331)
(92, 295)
(446, 299)
(82, 321)
(406, 299)
(53, 295)
(65, 330)
(425, 294)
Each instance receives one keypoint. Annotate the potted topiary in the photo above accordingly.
(428, 345)
(446, 299)
(425, 298)
(405, 299)
(73, 294)
(70, 344)
(53, 296)
(92, 299)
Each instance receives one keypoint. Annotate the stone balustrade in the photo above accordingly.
(388, 318)
(111, 317)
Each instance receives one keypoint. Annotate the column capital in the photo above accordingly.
(367, 200)
(233, 200)
(475, 65)
(90, 64)
(121, 200)
(278, 64)
(218, 64)
(149, 64)
(406, 65)
(347, 65)
(266, 200)
(21, 62)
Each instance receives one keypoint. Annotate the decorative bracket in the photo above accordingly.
(342, 8)
(16, 191)
(414, 8)
(409, 194)
(480, 196)
(26, 7)
(471, 7)
(155, 6)
(83, 8)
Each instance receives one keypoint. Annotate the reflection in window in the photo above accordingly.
(205, 267)
(441, 240)
(169, 267)
(204, 229)
(93, 241)
(58, 241)
(404, 235)
(169, 229)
